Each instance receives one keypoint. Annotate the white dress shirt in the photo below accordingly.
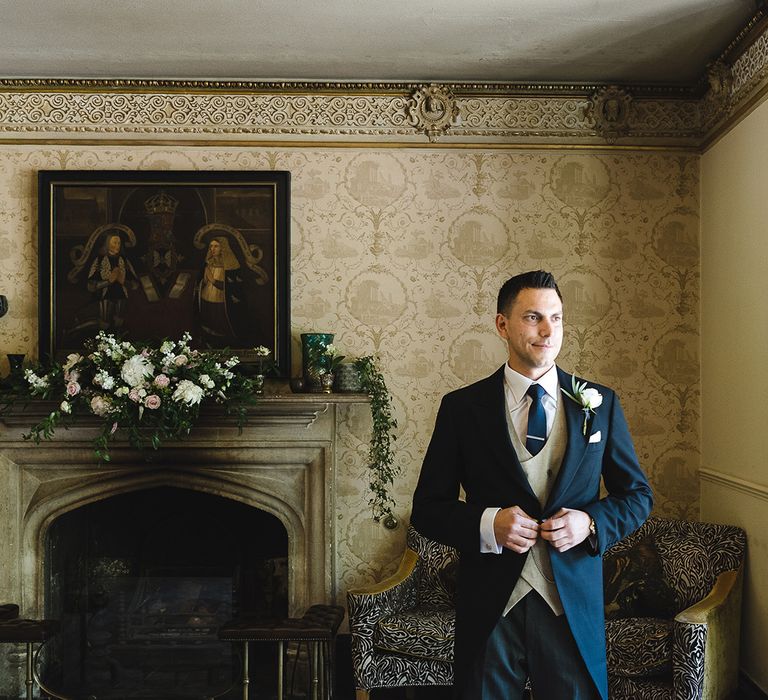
(518, 403)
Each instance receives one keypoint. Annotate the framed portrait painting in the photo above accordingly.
(148, 255)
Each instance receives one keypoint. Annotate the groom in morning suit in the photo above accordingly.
(532, 528)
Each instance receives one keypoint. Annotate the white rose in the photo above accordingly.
(591, 398)
(72, 360)
(206, 381)
(65, 407)
(188, 392)
(100, 405)
(136, 369)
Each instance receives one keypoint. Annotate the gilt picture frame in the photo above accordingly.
(148, 255)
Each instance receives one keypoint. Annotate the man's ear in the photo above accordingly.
(501, 325)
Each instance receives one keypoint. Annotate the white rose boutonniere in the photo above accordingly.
(588, 398)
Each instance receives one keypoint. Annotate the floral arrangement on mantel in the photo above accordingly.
(150, 394)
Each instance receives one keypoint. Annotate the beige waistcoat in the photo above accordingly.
(542, 470)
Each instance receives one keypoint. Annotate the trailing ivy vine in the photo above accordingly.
(380, 456)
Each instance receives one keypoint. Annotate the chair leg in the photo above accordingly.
(246, 671)
(29, 682)
(362, 694)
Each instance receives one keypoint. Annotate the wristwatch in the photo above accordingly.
(592, 528)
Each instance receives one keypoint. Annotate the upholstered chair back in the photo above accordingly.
(692, 554)
(436, 570)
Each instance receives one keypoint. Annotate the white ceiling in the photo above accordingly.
(625, 41)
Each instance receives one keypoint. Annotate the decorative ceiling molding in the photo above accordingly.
(443, 113)
(335, 88)
(431, 113)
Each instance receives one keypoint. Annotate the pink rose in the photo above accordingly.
(73, 389)
(162, 381)
(180, 360)
(152, 401)
(133, 394)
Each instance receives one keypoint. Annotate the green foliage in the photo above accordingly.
(381, 460)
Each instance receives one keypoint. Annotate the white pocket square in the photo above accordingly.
(596, 437)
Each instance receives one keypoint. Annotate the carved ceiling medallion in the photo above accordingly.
(433, 110)
(609, 109)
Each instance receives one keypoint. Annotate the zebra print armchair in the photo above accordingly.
(403, 628)
(691, 650)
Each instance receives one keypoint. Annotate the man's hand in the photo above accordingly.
(566, 528)
(515, 529)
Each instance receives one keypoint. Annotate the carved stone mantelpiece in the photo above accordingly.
(282, 462)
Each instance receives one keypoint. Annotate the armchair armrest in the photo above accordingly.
(404, 570)
(367, 605)
(701, 612)
(709, 629)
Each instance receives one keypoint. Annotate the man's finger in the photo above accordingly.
(553, 524)
(523, 517)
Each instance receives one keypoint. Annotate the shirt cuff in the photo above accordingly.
(488, 544)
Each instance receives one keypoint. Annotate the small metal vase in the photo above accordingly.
(326, 382)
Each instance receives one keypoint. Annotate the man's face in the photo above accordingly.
(114, 245)
(533, 329)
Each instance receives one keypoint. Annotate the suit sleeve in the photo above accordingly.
(438, 513)
(629, 497)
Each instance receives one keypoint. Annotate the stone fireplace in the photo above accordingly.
(281, 462)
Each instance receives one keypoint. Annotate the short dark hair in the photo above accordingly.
(535, 279)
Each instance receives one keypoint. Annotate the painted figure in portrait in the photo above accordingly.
(108, 278)
(220, 294)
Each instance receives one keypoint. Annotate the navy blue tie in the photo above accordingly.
(537, 420)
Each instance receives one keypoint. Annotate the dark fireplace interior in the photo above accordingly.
(142, 581)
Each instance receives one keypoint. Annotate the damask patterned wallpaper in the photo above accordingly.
(400, 252)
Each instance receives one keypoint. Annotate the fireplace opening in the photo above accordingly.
(141, 582)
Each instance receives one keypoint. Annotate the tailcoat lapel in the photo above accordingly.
(577, 443)
(493, 409)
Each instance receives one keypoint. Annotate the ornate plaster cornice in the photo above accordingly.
(409, 113)
(323, 87)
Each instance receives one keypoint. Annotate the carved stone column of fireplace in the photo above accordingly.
(281, 462)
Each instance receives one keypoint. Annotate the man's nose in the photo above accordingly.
(545, 328)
